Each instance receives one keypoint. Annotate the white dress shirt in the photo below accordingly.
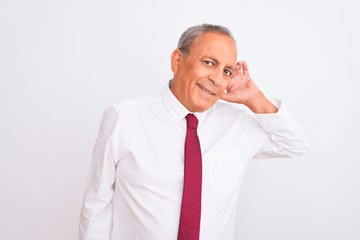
(134, 188)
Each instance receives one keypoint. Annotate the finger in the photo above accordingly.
(245, 69)
(234, 82)
(230, 87)
(239, 68)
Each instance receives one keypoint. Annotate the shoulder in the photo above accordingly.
(227, 108)
(231, 113)
(138, 108)
(137, 102)
(128, 110)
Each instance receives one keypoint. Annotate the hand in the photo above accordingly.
(241, 87)
(243, 90)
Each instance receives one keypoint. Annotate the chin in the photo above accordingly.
(203, 107)
(201, 103)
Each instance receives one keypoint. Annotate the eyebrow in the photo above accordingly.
(216, 61)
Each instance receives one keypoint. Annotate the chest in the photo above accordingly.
(152, 156)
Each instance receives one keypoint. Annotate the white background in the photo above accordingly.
(63, 62)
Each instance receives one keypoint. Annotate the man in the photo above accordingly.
(138, 186)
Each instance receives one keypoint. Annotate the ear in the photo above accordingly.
(175, 60)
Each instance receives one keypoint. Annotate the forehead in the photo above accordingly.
(216, 45)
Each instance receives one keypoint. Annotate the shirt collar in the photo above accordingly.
(175, 107)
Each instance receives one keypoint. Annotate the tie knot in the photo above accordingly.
(192, 121)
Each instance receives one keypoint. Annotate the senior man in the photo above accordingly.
(170, 166)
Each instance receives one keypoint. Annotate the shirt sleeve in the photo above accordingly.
(283, 137)
(96, 212)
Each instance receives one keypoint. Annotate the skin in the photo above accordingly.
(201, 78)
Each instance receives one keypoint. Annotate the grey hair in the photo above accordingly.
(191, 34)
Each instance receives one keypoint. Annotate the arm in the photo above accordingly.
(282, 136)
(96, 212)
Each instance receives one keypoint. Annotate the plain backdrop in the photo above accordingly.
(63, 62)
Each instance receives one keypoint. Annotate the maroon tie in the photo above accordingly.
(189, 227)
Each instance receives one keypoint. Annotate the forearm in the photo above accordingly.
(95, 220)
(96, 212)
(260, 104)
(285, 138)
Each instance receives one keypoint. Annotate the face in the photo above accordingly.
(201, 78)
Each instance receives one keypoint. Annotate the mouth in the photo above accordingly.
(206, 90)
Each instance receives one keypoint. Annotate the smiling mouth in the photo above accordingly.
(205, 90)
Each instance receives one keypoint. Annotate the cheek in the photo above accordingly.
(224, 86)
(199, 72)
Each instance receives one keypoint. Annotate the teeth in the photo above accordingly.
(206, 90)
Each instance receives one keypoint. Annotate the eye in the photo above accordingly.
(228, 72)
(208, 63)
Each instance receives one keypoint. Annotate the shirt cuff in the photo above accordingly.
(271, 122)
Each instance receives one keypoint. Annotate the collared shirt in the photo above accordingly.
(134, 188)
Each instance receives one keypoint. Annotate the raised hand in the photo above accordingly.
(243, 90)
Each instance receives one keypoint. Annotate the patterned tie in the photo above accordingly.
(189, 227)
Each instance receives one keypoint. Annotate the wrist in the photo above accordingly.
(260, 104)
